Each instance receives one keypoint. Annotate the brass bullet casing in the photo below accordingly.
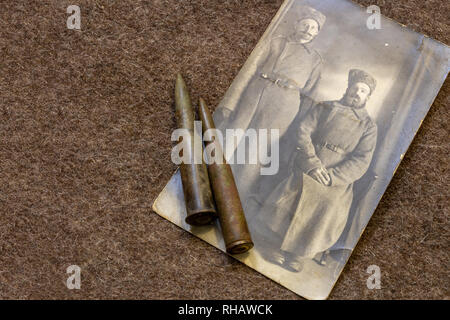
(196, 186)
(231, 215)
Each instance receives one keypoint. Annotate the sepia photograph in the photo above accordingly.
(346, 91)
(218, 159)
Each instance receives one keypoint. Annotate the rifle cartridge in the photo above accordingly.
(231, 214)
(196, 186)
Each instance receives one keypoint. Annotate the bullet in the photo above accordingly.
(196, 186)
(229, 208)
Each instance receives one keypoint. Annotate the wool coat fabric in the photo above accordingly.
(268, 105)
(306, 214)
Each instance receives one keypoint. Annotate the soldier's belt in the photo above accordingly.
(331, 147)
(277, 81)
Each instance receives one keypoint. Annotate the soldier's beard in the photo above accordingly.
(353, 101)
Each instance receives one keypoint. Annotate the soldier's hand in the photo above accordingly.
(321, 175)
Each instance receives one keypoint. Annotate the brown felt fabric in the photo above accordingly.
(85, 124)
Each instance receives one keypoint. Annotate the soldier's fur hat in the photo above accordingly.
(357, 75)
(305, 12)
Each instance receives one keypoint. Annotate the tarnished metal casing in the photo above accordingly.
(231, 215)
(196, 186)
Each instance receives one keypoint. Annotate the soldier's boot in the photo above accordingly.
(293, 263)
(322, 259)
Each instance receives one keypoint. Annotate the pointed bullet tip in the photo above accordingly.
(179, 83)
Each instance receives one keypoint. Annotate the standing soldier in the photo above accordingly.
(332, 148)
(285, 79)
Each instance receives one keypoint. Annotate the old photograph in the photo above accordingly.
(347, 93)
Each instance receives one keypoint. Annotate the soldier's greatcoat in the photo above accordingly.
(267, 105)
(308, 216)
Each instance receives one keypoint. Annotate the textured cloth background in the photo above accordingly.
(85, 124)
